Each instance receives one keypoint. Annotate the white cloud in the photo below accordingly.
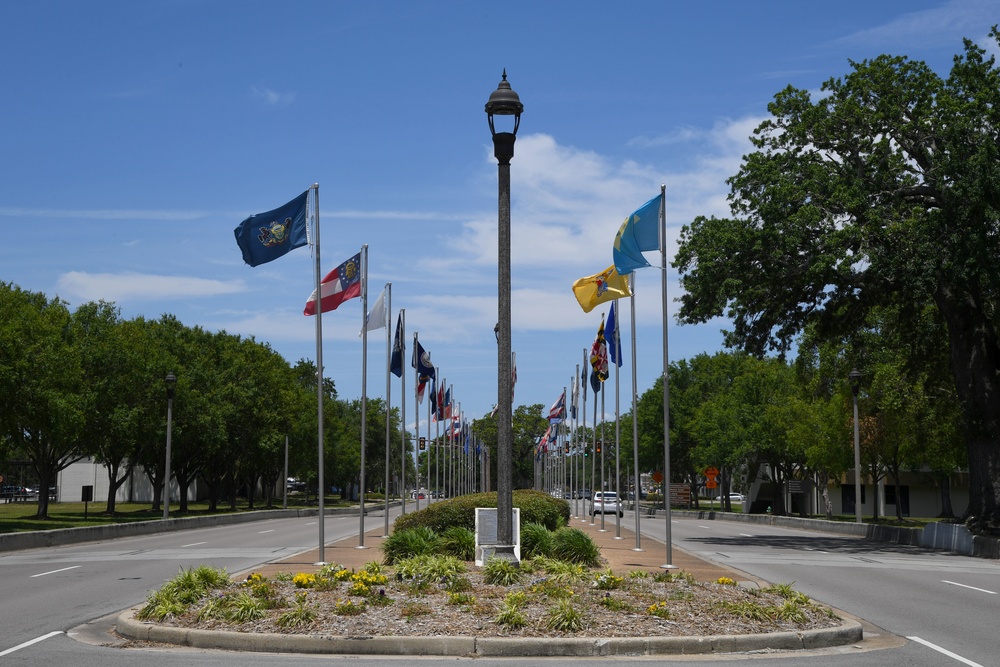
(272, 97)
(131, 287)
(942, 26)
(100, 214)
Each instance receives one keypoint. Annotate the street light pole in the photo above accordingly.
(504, 102)
(855, 376)
(170, 381)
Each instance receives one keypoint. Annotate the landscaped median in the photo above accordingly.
(848, 632)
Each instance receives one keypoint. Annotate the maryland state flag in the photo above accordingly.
(264, 237)
(600, 287)
(599, 358)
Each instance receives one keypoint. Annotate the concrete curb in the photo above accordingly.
(498, 647)
(38, 539)
(950, 537)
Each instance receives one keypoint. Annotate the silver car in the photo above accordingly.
(606, 502)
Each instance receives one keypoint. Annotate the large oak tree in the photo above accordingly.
(882, 192)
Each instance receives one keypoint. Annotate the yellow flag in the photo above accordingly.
(601, 287)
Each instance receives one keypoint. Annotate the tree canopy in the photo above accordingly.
(883, 193)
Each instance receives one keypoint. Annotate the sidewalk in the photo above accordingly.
(620, 554)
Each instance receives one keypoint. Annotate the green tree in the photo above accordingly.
(882, 193)
(42, 398)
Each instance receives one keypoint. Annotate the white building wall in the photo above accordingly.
(70, 483)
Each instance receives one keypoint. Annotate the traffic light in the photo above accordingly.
(598, 446)
(423, 443)
(566, 448)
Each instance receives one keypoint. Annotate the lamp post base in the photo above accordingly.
(506, 552)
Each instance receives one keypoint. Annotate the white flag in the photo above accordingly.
(376, 318)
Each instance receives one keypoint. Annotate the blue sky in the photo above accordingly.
(136, 136)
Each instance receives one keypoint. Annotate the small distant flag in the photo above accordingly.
(425, 370)
(613, 338)
(601, 287)
(341, 284)
(376, 316)
(264, 237)
(599, 357)
(558, 409)
(396, 358)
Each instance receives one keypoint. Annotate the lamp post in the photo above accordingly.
(855, 376)
(170, 381)
(504, 102)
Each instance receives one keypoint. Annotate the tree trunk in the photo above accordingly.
(975, 362)
(947, 511)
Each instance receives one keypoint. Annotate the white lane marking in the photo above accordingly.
(944, 651)
(745, 535)
(981, 590)
(30, 642)
(54, 571)
(193, 544)
(705, 527)
(265, 531)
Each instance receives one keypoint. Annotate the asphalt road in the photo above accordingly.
(942, 601)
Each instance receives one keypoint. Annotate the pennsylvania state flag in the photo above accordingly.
(600, 287)
(264, 237)
(640, 231)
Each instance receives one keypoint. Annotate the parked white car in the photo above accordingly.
(606, 502)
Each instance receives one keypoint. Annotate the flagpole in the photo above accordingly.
(618, 473)
(364, 392)
(666, 376)
(402, 406)
(604, 446)
(416, 422)
(593, 460)
(635, 420)
(583, 462)
(319, 379)
(577, 466)
(388, 404)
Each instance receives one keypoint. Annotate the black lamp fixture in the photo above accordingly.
(504, 102)
(171, 382)
(855, 377)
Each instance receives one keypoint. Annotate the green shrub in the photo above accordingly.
(501, 572)
(536, 540)
(403, 544)
(429, 567)
(575, 546)
(459, 542)
(536, 507)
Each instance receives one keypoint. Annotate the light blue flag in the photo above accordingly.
(639, 232)
(613, 338)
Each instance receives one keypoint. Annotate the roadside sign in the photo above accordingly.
(711, 472)
(711, 483)
(657, 476)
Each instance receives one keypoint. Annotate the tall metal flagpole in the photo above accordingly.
(604, 446)
(666, 377)
(635, 419)
(618, 472)
(388, 403)
(364, 392)
(583, 440)
(319, 378)
(402, 406)
(416, 420)
(576, 444)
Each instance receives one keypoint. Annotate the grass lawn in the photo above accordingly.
(20, 517)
